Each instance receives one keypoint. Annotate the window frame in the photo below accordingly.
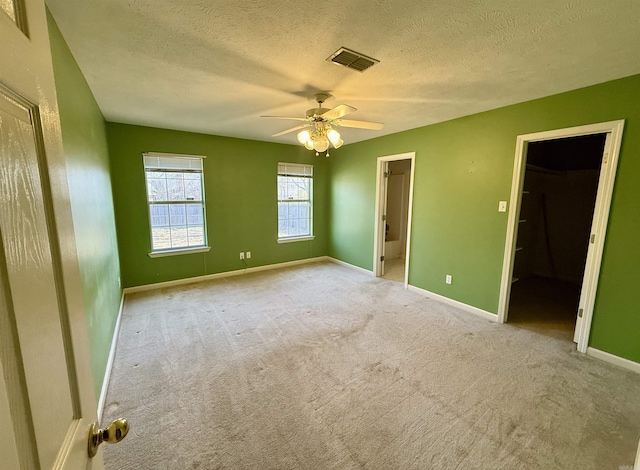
(162, 252)
(295, 170)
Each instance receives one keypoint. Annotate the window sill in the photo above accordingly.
(179, 251)
(295, 239)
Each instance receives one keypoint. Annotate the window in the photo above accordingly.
(295, 187)
(175, 195)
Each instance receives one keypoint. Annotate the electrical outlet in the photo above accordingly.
(248, 255)
(448, 278)
(241, 255)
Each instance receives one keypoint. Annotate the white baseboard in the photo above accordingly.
(208, 277)
(112, 354)
(348, 265)
(612, 359)
(454, 303)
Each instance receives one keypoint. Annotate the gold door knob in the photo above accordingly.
(112, 434)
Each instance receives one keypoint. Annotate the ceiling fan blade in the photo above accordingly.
(374, 126)
(287, 117)
(290, 130)
(338, 112)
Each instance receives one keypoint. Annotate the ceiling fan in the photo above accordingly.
(316, 132)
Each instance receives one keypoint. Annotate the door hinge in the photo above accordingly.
(382, 258)
(605, 158)
(593, 238)
(580, 312)
(384, 217)
(386, 174)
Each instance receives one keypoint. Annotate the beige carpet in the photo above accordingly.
(324, 367)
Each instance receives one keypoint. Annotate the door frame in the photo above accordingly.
(613, 130)
(379, 226)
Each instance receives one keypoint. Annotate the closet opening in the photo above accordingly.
(611, 132)
(554, 227)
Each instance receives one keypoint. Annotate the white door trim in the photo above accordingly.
(378, 232)
(613, 129)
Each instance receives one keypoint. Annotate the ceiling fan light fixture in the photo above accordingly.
(334, 136)
(321, 144)
(317, 132)
(303, 137)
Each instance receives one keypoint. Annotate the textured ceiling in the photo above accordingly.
(216, 66)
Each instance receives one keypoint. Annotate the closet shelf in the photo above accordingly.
(514, 279)
(519, 248)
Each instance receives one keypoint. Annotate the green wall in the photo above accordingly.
(240, 193)
(87, 159)
(463, 168)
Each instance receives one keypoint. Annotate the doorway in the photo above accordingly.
(561, 195)
(556, 213)
(394, 199)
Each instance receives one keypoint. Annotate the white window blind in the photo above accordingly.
(167, 162)
(295, 169)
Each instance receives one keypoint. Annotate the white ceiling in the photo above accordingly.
(216, 66)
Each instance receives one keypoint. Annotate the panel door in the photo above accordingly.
(47, 403)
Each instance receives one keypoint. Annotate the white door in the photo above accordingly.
(396, 216)
(47, 402)
(589, 283)
(384, 190)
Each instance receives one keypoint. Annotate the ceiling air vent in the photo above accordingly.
(352, 59)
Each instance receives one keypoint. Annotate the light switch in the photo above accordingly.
(502, 206)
